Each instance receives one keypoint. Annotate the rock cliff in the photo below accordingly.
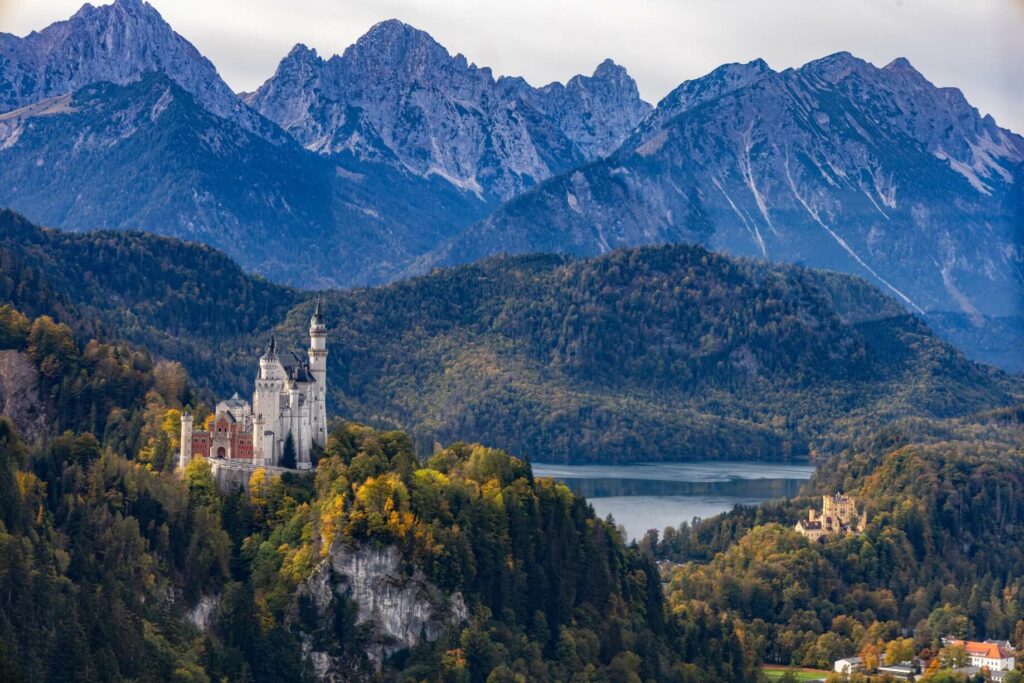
(397, 607)
(19, 395)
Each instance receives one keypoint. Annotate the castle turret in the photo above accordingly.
(185, 453)
(318, 368)
(266, 402)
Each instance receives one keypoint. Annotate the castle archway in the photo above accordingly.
(221, 452)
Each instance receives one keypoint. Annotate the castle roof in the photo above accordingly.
(271, 348)
(235, 401)
(318, 318)
(296, 366)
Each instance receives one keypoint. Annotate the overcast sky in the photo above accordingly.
(976, 45)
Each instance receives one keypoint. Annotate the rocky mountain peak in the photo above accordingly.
(597, 111)
(393, 46)
(609, 70)
(688, 94)
(834, 67)
(439, 115)
(899, 64)
(117, 43)
(940, 120)
(301, 52)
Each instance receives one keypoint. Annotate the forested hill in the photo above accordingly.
(115, 568)
(941, 554)
(180, 300)
(643, 354)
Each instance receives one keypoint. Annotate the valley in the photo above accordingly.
(382, 364)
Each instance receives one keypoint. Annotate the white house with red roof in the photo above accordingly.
(993, 655)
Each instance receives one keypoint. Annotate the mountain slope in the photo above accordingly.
(168, 165)
(116, 43)
(407, 145)
(648, 354)
(397, 95)
(838, 164)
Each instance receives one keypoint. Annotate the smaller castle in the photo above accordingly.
(838, 517)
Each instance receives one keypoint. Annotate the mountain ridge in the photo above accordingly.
(119, 43)
(648, 353)
(836, 165)
(405, 156)
(439, 114)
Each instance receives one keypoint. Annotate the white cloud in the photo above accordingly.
(973, 45)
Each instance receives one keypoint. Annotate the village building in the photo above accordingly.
(848, 665)
(900, 672)
(991, 654)
(838, 517)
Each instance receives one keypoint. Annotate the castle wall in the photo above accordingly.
(232, 475)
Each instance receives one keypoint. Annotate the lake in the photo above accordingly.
(656, 495)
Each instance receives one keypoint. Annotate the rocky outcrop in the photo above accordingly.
(203, 613)
(596, 112)
(401, 607)
(397, 96)
(19, 395)
(116, 43)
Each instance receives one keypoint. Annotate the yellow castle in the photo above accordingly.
(838, 517)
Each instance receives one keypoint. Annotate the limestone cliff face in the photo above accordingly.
(19, 395)
(399, 608)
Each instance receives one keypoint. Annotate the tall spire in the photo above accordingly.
(318, 318)
(271, 347)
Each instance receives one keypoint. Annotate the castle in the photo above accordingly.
(838, 517)
(287, 417)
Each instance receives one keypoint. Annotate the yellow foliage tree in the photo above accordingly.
(172, 427)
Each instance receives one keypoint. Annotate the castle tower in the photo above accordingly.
(266, 406)
(185, 454)
(318, 368)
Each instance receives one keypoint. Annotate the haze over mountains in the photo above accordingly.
(396, 157)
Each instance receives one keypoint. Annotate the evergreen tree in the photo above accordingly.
(288, 456)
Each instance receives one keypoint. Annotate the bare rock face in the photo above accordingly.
(838, 164)
(398, 96)
(19, 395)
(116, 43)
(400, 608)
(202, 615)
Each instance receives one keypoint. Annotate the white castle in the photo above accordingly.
(288, 412)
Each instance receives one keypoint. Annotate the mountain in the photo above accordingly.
(393, 129)
(657, 353)
(116, 43)
(147, 155)
(398, 96)
(838, 164)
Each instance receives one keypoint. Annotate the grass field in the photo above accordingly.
(775, 672)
